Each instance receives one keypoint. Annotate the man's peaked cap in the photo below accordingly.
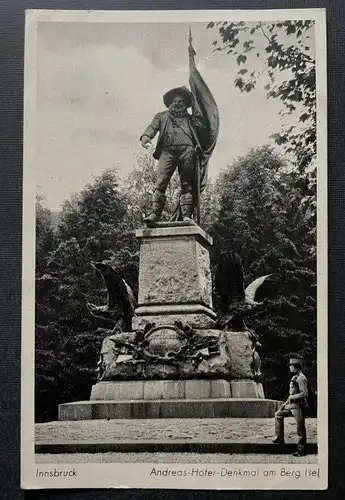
(295, 361)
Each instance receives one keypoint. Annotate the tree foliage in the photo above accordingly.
(92, 227)
(46, 237)
(260, 217)
(281, 52)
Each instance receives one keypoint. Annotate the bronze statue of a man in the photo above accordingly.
(177, 147)
(185, 142)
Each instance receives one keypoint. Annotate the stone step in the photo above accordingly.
(171, 446)
(176, 408)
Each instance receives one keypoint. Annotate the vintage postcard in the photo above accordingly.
(174, 309)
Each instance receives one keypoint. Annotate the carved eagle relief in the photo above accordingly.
(234, 299)
(121, 301)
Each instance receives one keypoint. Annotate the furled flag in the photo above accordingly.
(205, 105)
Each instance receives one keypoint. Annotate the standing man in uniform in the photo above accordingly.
(294, 406)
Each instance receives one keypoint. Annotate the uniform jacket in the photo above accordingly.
(298, 391)
(159, 124)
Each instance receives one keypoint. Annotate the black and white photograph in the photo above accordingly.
(174, 307)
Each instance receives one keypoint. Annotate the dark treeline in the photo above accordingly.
(260, 206)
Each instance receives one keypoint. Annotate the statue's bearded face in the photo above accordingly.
(178, 105)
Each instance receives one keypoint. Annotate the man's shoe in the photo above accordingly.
(299, 453)
(278, 440)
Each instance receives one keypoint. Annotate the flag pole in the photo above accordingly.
(197, 166)
(191, 48)
(192, 53)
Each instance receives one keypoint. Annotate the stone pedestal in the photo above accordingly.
(174, 276)
(168, 408)
(213, 398)
(151, 390)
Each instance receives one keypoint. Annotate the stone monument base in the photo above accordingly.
(148, 390)
(170, 408)
(213, 398)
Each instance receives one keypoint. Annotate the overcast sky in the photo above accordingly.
(99, 86)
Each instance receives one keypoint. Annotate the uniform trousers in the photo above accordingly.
(299, 416)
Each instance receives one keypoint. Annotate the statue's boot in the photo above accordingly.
(186, 203)
(158, 203)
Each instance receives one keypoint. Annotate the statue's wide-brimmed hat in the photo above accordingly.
(295, 361)
(181, 91)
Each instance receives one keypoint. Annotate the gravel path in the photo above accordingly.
(161, 458)
(233, 429)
